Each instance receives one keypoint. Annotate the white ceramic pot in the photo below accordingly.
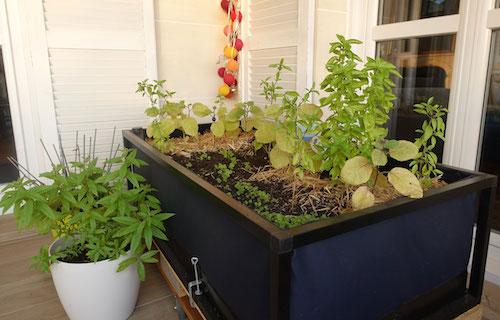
(95, 290)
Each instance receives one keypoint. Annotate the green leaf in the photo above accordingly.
(379, 158)
(266, 133)
(356, 171)
(405, 150)
(247, 124)
(217, 128)
(231, 125)
(362, 198)
(141, 271)
(405, 182)
(235, 114)
(125, 220)
(428, 132)
(125, 263)
(190, 126)
(389, 144)
(46, 210)
(278, 158)
(201, 110)
(148, 236)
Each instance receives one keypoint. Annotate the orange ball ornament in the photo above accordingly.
(232, 65)
(230, 52)
(224, 90)
(228, 29)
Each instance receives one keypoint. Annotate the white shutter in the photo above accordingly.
(97, 52)
(278, 29)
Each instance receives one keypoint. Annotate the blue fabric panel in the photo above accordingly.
(367, 273)
(235, 263)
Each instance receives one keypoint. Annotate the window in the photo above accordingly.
(490, 151)
(7, 147)
(426, 65)
(392, 11)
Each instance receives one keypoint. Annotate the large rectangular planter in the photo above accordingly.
(404, 259)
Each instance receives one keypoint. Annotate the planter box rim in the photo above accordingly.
(285, 240)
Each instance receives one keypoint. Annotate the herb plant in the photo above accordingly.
(91, 206)
(424, 166)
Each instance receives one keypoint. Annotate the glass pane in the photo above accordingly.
(426, 66)
(498, 4)
(490, 151)
(392, 11)
(7, 147)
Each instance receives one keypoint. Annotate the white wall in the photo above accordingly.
(189, 40)
(330, 20)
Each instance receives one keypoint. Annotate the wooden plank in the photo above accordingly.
(178, 288)
(475, 313)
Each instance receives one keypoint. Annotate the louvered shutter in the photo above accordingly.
(278, 29)
(97, 52)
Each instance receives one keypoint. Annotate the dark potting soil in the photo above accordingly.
(81, 258)
(204, 165)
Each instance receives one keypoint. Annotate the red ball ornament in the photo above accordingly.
(221, 72)
(233, 15)
(230, 95)
(235, 58)
(235, 82)
(240, 16)
(238, 44)
(225, 5)
(229, 79)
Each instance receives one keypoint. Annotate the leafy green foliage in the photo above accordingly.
(169, 116)
(424, 166)
(93, 207)
(359, 101)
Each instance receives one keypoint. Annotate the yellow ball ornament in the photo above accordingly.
(230, 52)
(224, 90)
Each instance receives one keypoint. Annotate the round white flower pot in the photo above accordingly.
(95, 290)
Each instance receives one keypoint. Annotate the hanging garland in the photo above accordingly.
(229, 72)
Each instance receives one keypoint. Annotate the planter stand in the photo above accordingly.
(404, 259)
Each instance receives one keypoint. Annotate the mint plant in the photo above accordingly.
(91, 206)
(424, 166)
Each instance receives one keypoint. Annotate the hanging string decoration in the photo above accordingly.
(232, 31)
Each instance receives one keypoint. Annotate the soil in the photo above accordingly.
(81, 258)
(307, 199)
(248, 165)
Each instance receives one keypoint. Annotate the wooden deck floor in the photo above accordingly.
(30, 295)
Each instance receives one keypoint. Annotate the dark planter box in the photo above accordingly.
(404, 259)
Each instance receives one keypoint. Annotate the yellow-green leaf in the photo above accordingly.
(149, 130)
(256, 110)
(405, 150)
(379, 158)
(190, 126)
(167, 126)
(356, 170)
(405, 182)
(278, 158)
(266, 133)
(172, 108)
(231, 125)
(284, 141)
(218, 128)
(233, 133)
(201, 110)
(381, 180)
(221, 112)
(362, 198)
(309, 109)
(247, 124)
(273, 111)
(235, 114)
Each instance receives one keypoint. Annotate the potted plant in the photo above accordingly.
(103, 231)
(286, 227)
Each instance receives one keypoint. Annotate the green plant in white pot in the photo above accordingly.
(103, 232)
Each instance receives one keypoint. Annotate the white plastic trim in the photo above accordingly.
(493, 21)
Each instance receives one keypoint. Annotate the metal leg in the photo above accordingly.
(180, 312)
